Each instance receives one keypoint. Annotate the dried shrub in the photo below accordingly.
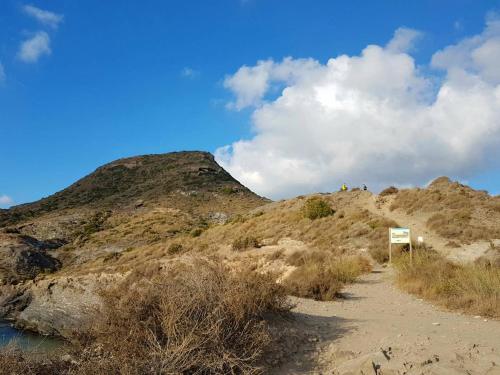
(379, 254)
(196, 232)
(389, 191)
(278, 254)
(191, 319)
(244, 243)
(450, 224)
(300, 258)
(175, 248)
(14, 360)
(316, 208)
(112, 256)
(322, 276)
(208, 321)
(473, 288)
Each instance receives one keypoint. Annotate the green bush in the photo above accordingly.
(315, 208)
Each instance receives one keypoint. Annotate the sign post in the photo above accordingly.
(399, 236)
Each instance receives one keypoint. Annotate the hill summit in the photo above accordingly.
(126, 203)
(136, 181)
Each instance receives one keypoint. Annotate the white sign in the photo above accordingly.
(400, 235)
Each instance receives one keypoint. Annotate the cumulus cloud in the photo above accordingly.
(6, 201)
(35, 47)
(250, 84)
(375, 118)
(43, 16)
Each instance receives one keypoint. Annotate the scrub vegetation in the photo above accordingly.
(472, 288)
(195, 318)
(322, 275)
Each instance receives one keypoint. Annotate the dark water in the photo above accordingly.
(26, 340)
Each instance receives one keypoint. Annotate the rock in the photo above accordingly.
(60, 305)
(218, 217)
(23, 258)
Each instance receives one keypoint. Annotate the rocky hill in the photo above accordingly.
(131, 201)
(137, 181)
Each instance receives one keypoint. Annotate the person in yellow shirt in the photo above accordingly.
(343, 187)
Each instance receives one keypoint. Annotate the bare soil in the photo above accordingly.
(377, 329)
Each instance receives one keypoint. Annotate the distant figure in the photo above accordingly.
(343, 187)
(364, 187)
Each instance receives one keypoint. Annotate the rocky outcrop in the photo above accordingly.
(23, 258)
(59, 305)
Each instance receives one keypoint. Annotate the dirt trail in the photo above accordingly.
(417, 223)
(377, 329)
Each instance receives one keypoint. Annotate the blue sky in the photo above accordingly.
(125, 78)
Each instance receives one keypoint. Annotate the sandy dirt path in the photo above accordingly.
(417, 223)
(377, 329)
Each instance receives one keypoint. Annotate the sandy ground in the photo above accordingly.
(377, 329)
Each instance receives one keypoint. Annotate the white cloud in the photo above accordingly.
(6, 201)
(375, 118)
(189, 73)
(2, 73)
(404, 40)
(44, 16)
(475, 56)
(250, 84)
(35, 47)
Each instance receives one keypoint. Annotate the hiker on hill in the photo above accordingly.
(343, 187)
(364, 187)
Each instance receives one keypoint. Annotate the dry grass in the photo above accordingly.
(380, 254)
(321, 275)
(351, 228)
(244, 243)
(14, 361)
(389, 191)
(472, 288)
(204, 322)
(455, 211)
(175, 248)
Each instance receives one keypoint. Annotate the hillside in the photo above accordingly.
(138, 180)
(131, 201)
(164, 213)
